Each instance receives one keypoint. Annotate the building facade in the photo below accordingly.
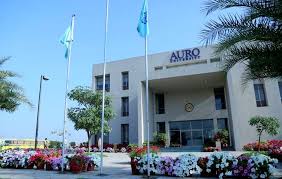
(190, 98)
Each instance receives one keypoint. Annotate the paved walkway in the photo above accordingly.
(116, 165)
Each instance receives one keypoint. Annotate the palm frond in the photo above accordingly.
(214, 5)
(221, 28)
(3, 60)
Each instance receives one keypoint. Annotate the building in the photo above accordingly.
(190, 98)
(20, 143)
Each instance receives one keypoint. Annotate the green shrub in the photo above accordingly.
(160, 139)
(54, 144)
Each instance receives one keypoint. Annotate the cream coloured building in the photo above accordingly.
(190, 98)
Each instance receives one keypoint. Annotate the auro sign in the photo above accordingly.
(184, 55)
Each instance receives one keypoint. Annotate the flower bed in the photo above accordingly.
(49, 160)
(218, 164)
(210, 149)
(123, 148)
(272, 147)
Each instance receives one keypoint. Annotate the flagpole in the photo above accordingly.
(147, 96)
(147, 109)
(104, 85)
(66, 93)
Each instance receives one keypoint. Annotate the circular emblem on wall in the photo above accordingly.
(189, 107)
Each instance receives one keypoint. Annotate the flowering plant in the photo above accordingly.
(220, 164)
(39, 160)
(110, 149)
(140, 151)
(43, 159)
(123, 150)
(186, 165)
(56, 163)
(210, 149)
(142, 164)
(120, 147)
(77, 162)
(254, 146)
(223, 137)
(272, 147)
(243, 166)
(165, 166)
(262, 166)
(94, 159)
(14, 159)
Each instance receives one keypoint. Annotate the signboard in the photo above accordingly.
(185, 55)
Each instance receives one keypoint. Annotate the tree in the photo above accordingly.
(54, 144)
(11, 95)
(269, 125)
(252, 37)
(87, 115)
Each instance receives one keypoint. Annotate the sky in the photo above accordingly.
(30, 32)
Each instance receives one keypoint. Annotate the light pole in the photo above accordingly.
(38, 109)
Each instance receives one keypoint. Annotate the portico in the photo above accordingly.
(186, 108)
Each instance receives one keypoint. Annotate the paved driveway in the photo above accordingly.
(116, 165)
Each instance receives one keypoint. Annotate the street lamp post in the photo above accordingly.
(38, 109)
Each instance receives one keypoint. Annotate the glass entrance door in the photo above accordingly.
(197, 137)
(190, 133)
(175, 138)
(186, 139)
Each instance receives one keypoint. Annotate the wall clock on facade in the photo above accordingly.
(189, 107)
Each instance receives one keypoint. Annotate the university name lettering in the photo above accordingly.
(185, 55)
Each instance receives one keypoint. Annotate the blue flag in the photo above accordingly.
(143, 26)
(66, 39)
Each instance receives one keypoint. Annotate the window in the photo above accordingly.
(219, 98)
(125, 80)
(212, 60)
(161, 127)
(222, 123)
(124, 133)
(160, 104)
(260, 95)
(124, 106)
(99, 83)
(280, 89)
(158, 68)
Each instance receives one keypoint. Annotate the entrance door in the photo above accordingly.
(175, 138)
(190, 133)
(186, 139)
(197, 137)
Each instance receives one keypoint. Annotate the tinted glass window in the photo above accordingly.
(260, 95)
(222, 123)
(99, 83)
(161, 127)
(160, 104)
(124, 106)
(219, 98)
(124, 133)
(125, 80)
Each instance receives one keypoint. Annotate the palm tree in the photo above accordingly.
(252, 35)
(11, 95)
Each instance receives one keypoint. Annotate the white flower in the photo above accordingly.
(229, 173)
(262, 176)
(220, 176)
(208, 170)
